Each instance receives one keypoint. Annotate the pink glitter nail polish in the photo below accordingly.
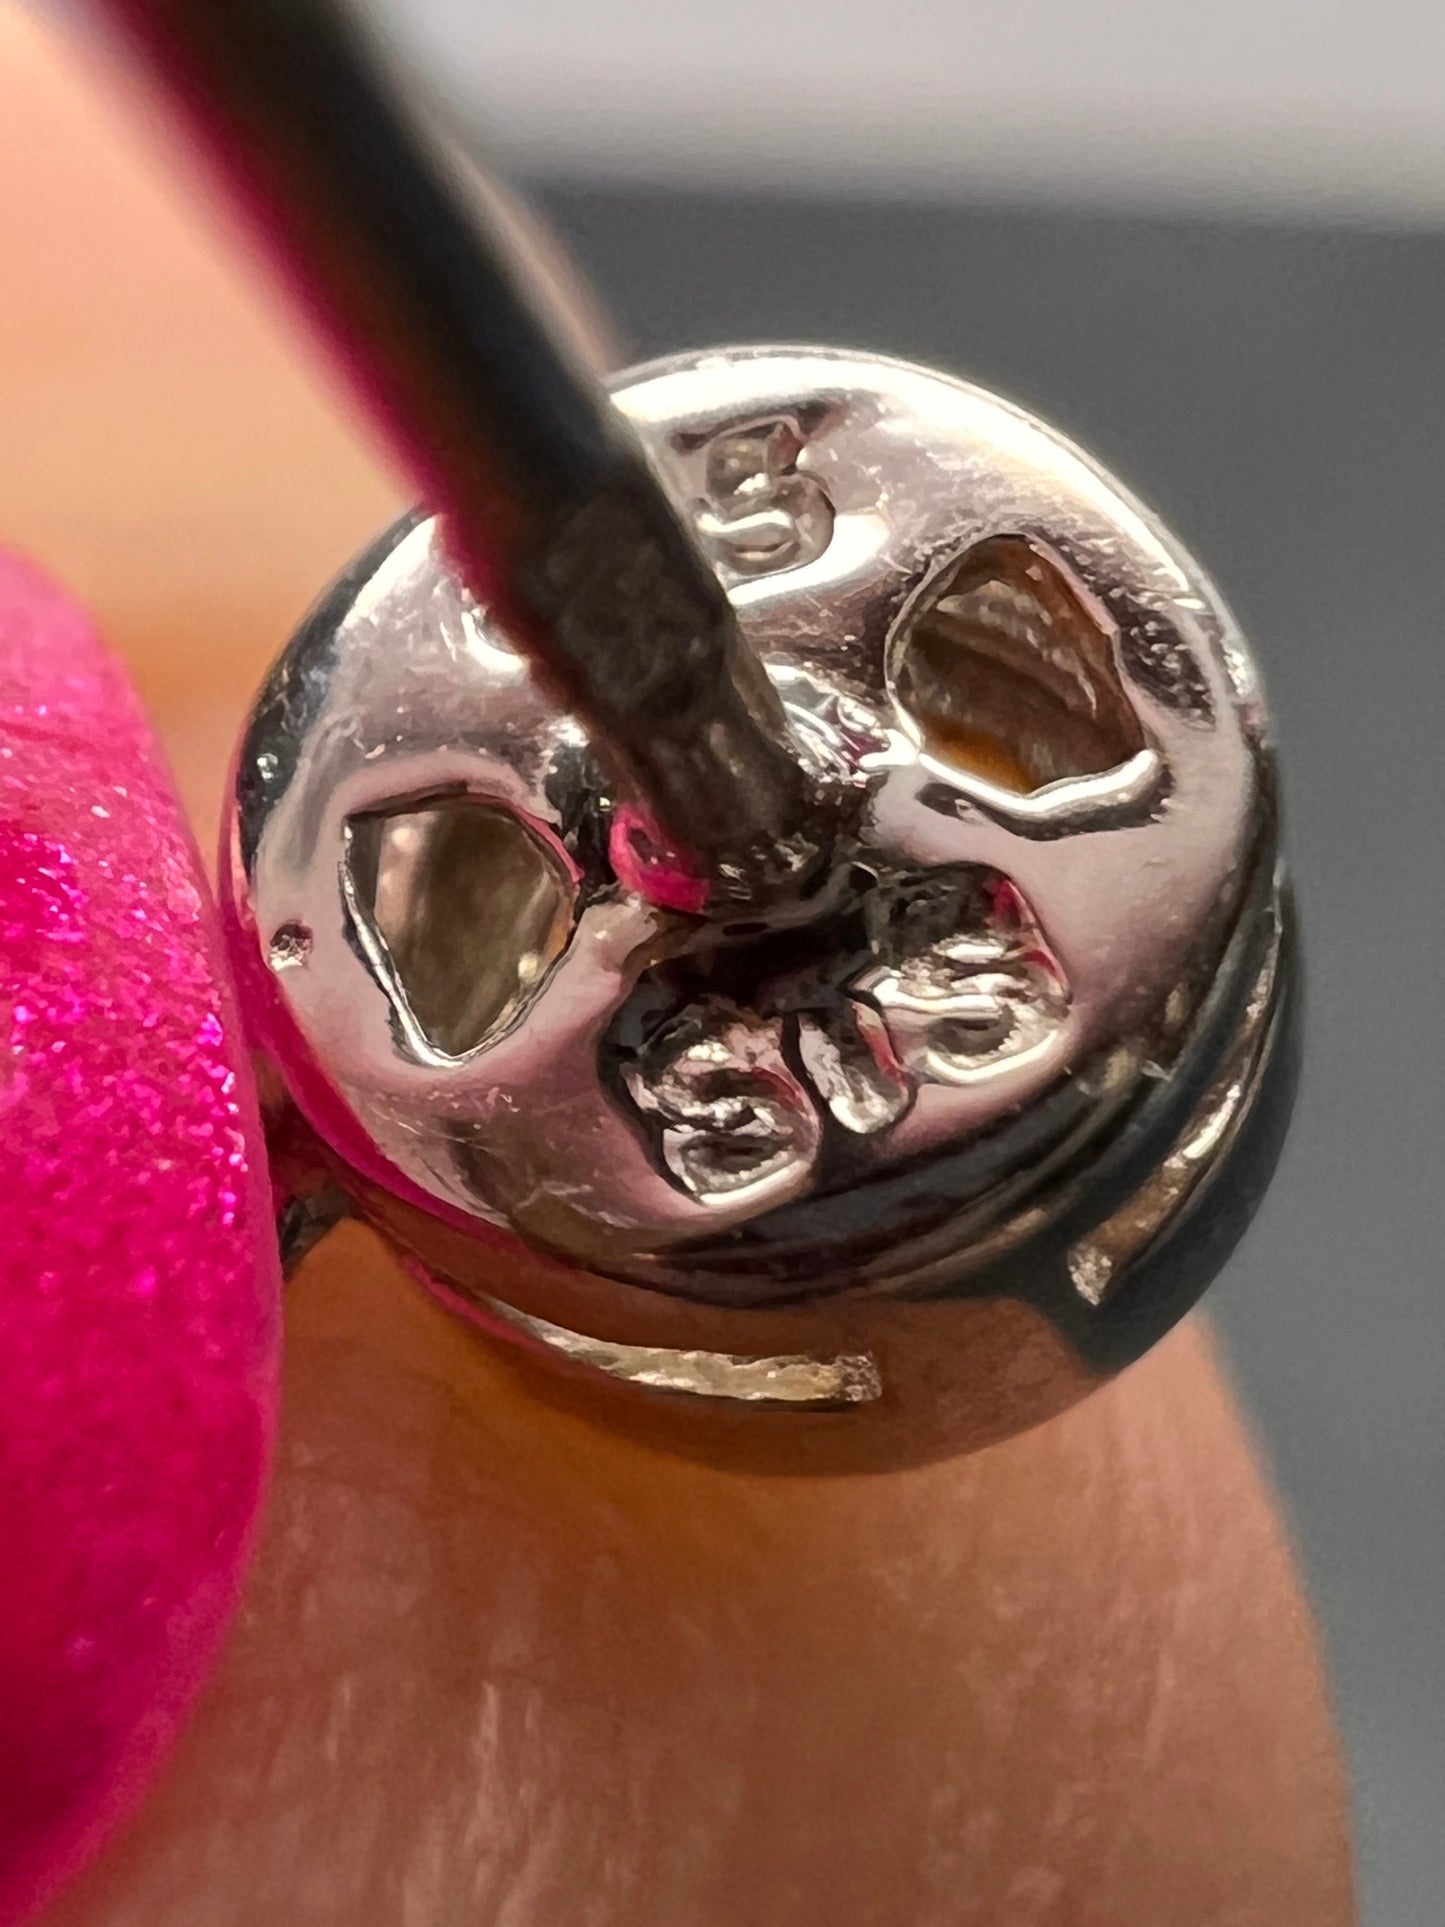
(138, 1272)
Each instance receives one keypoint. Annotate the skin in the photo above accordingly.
(497, 1664)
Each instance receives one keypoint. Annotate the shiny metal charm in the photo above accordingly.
(908, 1161)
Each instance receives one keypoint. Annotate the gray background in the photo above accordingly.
(1278, 393)
(1313, 104)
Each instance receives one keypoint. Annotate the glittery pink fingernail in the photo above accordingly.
(138, 1273)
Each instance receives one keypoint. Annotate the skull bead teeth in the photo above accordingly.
(911, 1165)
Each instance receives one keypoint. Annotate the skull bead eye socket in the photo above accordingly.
(1005, 671)
(462, 909)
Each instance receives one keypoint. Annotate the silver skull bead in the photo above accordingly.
(1045, 962)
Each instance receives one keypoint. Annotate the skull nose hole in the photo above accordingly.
(1007, 672)
(463, 908)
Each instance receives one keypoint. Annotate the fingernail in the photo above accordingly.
(138, 1277)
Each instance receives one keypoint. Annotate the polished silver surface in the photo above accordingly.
(1003, 1049)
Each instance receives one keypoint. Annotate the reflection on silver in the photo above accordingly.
(988, 990)
(737, 1127)
(1097, 1261)
(1043, 745)
(761, 513)
(813, 1384)
(849, 1057)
